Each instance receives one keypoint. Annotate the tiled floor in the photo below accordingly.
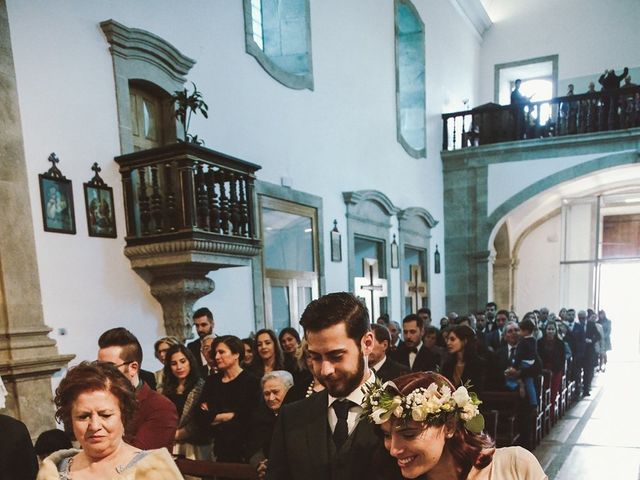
(599, 438)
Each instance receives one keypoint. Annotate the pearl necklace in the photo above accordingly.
(310, 388)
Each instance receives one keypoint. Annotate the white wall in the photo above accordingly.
(506, 179)
(588, 36)
(340, 137)
(537, 278)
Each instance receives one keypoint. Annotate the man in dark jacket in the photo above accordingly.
(18, 459)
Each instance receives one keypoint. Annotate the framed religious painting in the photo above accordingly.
(56, 200)
(98, 198)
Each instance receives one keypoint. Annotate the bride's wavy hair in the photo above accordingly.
(464, 446)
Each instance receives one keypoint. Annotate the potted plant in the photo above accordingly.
(186, 105)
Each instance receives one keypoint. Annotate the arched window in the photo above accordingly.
(410, 80)
(278, 35)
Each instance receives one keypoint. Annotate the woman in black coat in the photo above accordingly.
(228, 400)
(463, 363)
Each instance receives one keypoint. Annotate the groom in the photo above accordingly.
(322, 437)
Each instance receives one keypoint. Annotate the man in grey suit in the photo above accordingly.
(322, 437)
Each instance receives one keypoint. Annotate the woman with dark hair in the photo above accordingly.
(183, 386)
(463, 363)
(267, 355)
(248, 352)
(228, 399)
(160, 348)
(289, 341)
(430, 428)
(96, 402)
(551, 351)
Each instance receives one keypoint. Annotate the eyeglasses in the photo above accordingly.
(120, 364)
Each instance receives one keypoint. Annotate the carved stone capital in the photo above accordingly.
(177, 295)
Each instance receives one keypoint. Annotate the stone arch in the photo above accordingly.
(502, 268)
(571, 173)
(355, 200)
(492, 232)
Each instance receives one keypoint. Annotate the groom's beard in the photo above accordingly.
(341, 383)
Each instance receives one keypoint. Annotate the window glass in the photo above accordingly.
(410, 81)
(288, 241)
(280, 307)
(278, 35)
(290, 259)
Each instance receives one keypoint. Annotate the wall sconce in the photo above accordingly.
(336, 243)
(436, 261)
(394, 252)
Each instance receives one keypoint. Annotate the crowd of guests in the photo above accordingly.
(219, 397)
(493, 350)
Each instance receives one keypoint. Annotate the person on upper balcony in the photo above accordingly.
(517, 98)
(610, 81)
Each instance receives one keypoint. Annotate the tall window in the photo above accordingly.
(278, 35)
(290, 257)
(410, 79)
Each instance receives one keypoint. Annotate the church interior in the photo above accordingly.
(324, 146)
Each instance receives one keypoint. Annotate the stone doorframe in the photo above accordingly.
(469, 228)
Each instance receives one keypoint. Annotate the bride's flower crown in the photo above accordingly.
(433, 405)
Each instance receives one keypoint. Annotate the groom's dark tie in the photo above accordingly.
(341, 432)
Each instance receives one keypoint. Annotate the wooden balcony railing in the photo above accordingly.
(184, 191)
(575, 114)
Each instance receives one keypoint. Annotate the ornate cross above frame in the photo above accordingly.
(415, 288)
(370, 287)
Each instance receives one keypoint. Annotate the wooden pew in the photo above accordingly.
(507, 405)
(206, 468)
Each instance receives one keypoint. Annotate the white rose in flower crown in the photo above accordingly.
(469, 411)
(419, 413)
(461, 396)
(445, 392)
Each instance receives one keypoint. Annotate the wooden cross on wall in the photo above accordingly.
(370, 287)
(415, 288)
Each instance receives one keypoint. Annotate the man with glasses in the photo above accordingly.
(156, 419)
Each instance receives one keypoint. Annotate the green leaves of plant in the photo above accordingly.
(187, 104)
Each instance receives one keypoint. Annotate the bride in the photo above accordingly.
(433, 430)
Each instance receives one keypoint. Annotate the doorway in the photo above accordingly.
(618, 297)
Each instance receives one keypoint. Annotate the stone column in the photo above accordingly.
(177, 294)
(28, 357)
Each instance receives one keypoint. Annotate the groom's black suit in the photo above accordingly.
(302, 446)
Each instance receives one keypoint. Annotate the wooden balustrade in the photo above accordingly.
(575, 114)
(183, 189)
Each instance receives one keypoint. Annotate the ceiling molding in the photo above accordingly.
(476, 14)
